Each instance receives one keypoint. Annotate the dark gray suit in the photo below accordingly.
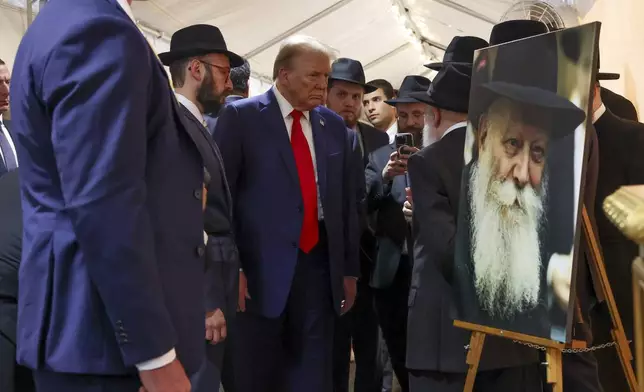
(392, 270)
(222, 266)
(13, 378)
(435, 350)
(360, 325)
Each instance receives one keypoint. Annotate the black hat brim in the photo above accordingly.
(408, 99)
(439, 66)
(167, 58)
(568, 115)
(607, 76)
(367, 88)
(442, 105)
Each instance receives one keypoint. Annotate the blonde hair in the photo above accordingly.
(297, 45)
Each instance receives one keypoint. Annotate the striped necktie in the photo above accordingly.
(9, 158)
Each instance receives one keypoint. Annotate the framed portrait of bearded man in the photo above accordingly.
(518, 228)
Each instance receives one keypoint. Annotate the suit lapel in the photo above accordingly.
(207, 148)
(275, 124)
(319, 139)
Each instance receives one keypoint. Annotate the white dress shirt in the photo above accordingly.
(598, 113)
(5, 131)
(171, 355)
(392, 131)
(286, 108)
(453, 127)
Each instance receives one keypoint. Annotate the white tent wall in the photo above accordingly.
(13, 24)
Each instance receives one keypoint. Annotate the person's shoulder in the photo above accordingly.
(330, 116)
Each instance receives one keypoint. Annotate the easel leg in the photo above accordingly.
(554, 369)
(473, 358)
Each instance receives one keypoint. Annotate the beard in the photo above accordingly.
(429, 135)
(505, 243)
(207, 95)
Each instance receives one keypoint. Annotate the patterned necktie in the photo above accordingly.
(309, 236)
(10, 161)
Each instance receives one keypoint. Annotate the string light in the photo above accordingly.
(401, 15)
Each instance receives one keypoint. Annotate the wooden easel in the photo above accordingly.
(554, 349)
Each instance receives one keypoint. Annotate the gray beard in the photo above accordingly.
(505, 244)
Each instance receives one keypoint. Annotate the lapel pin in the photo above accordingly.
(322, 122)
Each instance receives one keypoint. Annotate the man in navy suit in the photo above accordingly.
(112, 272)
(292, 169)
(8, 159)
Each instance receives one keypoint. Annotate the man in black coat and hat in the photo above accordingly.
(386, 191)
(621, 144)
(200, 65)
(359, 326)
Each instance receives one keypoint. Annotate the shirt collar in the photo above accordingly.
(285, 106)
(598, 113)
(126, 7)
(392, 131)
(453, 127)
(192, 108)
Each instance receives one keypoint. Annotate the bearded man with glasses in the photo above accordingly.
(200, 65)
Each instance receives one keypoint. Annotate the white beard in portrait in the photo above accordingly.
(505, 245)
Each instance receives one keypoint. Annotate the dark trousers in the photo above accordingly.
(217, 368)
(385, 362)
(13, 377)
(293, 352)
(515, 379)
(391, 308)
(59, 382)
(360, 327)
(580, 374)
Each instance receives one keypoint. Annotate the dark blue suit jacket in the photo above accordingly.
(112, 265)
(211, 121)
(268, 205)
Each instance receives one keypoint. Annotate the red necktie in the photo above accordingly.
(304, 162)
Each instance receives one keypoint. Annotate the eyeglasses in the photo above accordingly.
(225, 70)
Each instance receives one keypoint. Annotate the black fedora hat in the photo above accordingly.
(460, 51)
(412, 84)
(198, 40)
(527, 73)
(604, 75)
(450, 89)
(349, 70)
(512, 30)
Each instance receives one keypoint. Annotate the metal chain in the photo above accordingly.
(566, 350)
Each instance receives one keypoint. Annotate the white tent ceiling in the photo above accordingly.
(371, 31)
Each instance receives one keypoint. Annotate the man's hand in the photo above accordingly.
(350, 290)
(169, 378)
(216, 330)
(408, 206)
(243, 292)
(560, 274)
(397, 164)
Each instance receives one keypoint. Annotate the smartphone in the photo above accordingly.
(404, 140)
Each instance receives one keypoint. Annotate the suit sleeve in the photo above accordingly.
(97, 91)
(433, 221)
(228, 136)
(354, 187)
(376, 189)
(636, 168)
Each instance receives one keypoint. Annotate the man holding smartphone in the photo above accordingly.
(386, 183)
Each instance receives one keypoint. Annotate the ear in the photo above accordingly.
(196, 69)
(437, 117)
